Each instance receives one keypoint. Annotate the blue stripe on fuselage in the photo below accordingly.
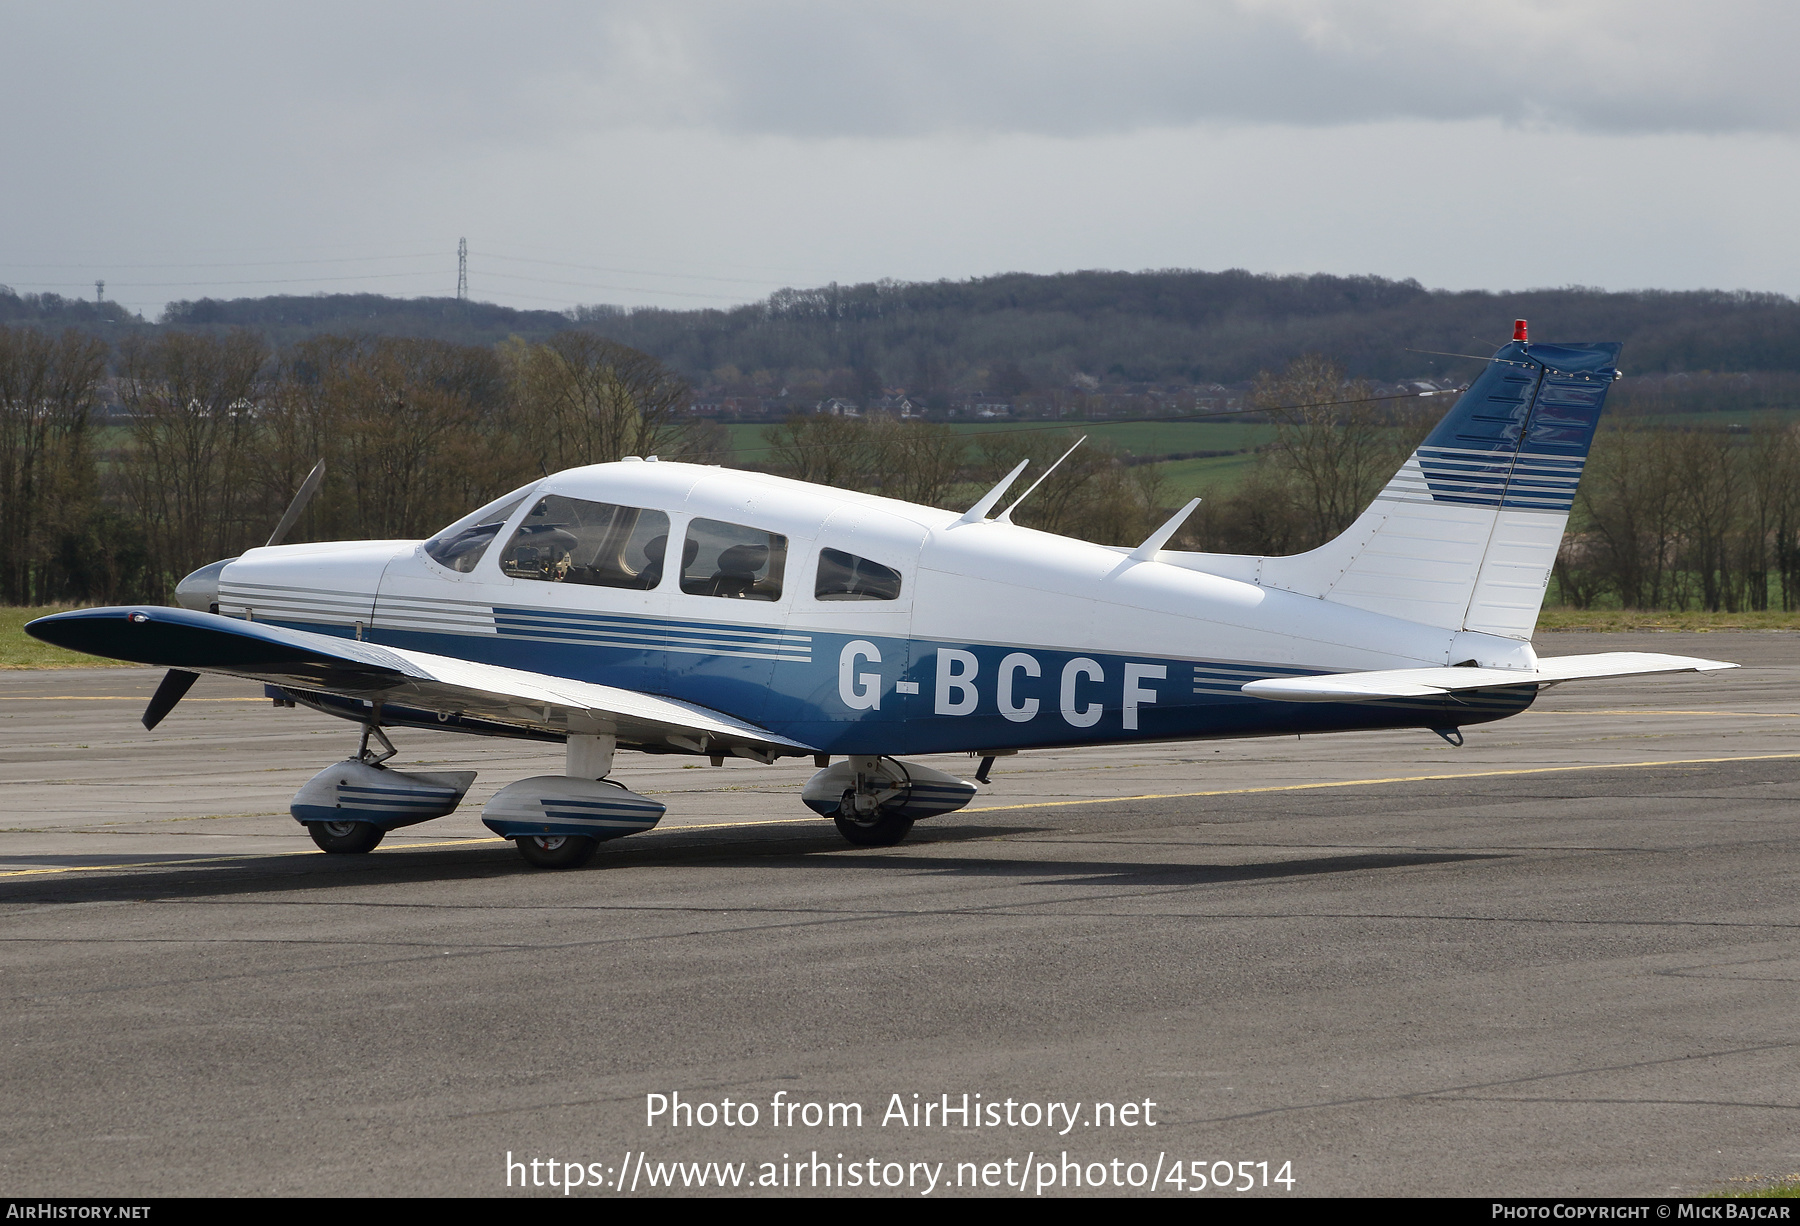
(813, 700)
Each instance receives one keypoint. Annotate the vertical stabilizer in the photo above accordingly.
(1466, 533)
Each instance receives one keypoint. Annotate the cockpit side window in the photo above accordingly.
(844, 576)
(460, 546)
(731, 560)
(570, 540)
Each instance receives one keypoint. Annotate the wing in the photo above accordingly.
(194, 642)
(1436, 682)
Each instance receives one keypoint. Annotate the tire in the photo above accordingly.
(345, 838)
(881, 830)
(557, 850)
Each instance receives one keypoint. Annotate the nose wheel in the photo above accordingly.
(556, 850)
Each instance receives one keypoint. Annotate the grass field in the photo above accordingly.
(20, 650)
(1139, 438)
(1207, 478)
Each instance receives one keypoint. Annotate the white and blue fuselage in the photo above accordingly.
(998, 636)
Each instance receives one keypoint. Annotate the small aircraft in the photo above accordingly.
(679, 608)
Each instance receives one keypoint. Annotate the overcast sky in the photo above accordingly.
(694, 154)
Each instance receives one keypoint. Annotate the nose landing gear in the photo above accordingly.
(350, 806)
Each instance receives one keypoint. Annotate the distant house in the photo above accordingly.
(897, 406)
(837, 406)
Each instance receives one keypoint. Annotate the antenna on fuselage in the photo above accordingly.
(1156, 540)
(1006, 515)
(978, 512)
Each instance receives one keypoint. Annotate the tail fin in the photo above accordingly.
(1465, 534)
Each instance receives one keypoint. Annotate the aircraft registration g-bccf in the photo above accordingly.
(678, 608)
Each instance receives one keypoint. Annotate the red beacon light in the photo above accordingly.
(1519, 330)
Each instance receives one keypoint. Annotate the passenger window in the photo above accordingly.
(844, 576)
(730, 560)
(568, 540)
(460, 546)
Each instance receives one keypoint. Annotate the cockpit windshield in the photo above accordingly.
(460, 546)
(570, 540)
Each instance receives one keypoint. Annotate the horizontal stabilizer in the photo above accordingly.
(1437, 682)
(207, 643)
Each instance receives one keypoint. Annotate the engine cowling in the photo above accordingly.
(357, 791)
(905, 789)
(561, 804)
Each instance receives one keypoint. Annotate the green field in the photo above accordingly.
(20, 650)
(1140, 438)
(1207, 478)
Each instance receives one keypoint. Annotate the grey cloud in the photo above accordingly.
(202, 80)
(911, 69)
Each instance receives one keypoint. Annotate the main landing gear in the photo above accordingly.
(346, 838)
(557, 821)
(874, 801)
(557, 850)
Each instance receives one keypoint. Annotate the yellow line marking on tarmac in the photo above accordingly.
(107, 698)
(1038, 804)
(1748, 715)
(105, 868)
(1649, 711)
(1353, 783)
(494, 838)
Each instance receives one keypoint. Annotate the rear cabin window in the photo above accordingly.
(569, 540)
(733, 561)
(460, 546)
(844, 576)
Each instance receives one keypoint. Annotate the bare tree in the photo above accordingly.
(913, 461)
(823, 448)
(48, 387)
(1334, 442)
(418, 438)
(579, 398)
(191, 398)
(1627, 506)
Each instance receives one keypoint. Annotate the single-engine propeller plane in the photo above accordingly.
(678, 608)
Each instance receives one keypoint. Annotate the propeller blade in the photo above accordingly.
(308, 488)
(175, 685)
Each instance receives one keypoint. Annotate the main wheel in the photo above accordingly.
(877, 830)
(557, 850)
(345, 838)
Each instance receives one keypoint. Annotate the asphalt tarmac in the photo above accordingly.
(1560, 960)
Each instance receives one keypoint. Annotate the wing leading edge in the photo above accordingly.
(1436, 682)
(194, 642)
